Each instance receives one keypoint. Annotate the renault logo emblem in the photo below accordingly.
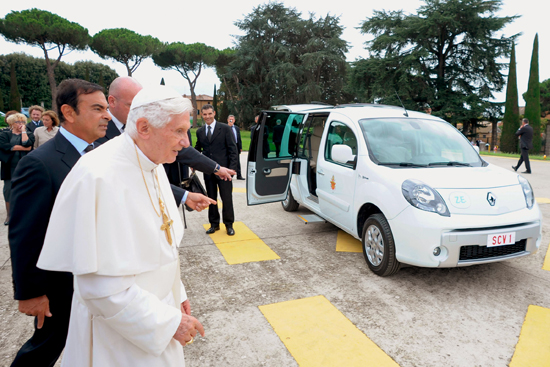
(491, 198)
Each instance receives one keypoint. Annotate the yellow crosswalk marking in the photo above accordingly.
(243, 247)
(347, 243)
(543, 200)
(533, 348)
(546, 265)
(317, 334)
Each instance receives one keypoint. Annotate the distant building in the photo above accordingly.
(202, 99)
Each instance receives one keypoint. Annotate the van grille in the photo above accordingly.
(475, 252)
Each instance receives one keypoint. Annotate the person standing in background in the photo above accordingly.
(35, 112)
(236, 133)
(44, 133)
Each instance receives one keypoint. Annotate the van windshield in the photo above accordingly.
(407, 142)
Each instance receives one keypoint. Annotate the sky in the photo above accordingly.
(212, 23)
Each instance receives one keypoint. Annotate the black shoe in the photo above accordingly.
(6, 222)
(230, 231)
(515, 168)
(240, 178)
(526, 172)
(212, 229)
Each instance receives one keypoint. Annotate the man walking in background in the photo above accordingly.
(236, 133)
(525, 134)
(214, 140)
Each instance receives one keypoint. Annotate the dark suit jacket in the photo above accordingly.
(526, 137)
(35, 184)
(222, 148)
(31, 126)
(239, 141)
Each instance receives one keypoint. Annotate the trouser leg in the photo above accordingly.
(525, 157)
(210, 182)
(239, 174)
(46, 344)
(226, 193)
(520, 160)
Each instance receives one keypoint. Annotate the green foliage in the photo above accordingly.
(33, 82)
(1, 99)
(188, 60)
(124, 46)
(47, 31)
(224, 114)
(532, 97)
(15, 97)
(283, 59)
(508, 138)
(446, 56)
(545, 97)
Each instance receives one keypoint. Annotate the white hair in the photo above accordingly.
(158, 114)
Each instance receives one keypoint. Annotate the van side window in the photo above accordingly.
(339, 133)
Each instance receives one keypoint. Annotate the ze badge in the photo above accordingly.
(459, 200)
(332, 184)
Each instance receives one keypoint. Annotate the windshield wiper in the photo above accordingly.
(403, 164)
(450, 163)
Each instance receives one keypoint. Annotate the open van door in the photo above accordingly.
(273, 146)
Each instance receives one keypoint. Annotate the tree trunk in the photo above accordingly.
(494, 133)
(51, 77)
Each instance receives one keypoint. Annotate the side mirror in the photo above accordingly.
(342, 153)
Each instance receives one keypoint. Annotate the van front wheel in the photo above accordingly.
(378, 246)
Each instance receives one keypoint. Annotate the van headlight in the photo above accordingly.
(423, 197)
(527, 192)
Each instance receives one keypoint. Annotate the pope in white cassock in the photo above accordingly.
(116, 227)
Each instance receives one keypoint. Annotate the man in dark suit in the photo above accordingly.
(47, 295)
(236, 133)
(121, 94)
(35, 113)
(525, 133)
(215, 141)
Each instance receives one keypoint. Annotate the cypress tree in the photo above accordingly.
(162, 82)
(215, 101)
(87, 73)
(100, 80)
(508, 139)
(15, 97)
(532, 97)
(1, 100)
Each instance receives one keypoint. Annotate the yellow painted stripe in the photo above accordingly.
(543, 200)
(546, 265)
(243, 247)
(239, 189)
(533, 348)
(302, 218)
(317, 334)
(347, 243)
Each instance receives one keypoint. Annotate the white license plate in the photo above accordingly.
(501, 239)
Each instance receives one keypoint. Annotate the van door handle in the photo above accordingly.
(321, 172)
(267, 171)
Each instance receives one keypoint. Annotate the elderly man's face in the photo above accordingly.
(169, 140)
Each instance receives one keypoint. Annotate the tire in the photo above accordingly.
(289, 204)
(379, 247)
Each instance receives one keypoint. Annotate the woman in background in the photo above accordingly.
(14, 144)
(44, 133)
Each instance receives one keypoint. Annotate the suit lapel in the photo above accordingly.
(69, 154)
(216, 131)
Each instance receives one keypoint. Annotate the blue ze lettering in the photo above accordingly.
(460, 200)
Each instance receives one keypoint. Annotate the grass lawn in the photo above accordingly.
(514, 155)
(245, 137)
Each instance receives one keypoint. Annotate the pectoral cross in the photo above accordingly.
(167, 223)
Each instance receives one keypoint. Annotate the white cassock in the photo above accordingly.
(104, 230)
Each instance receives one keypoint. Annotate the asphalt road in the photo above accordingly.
(469, 316)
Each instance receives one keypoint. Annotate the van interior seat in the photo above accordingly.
(315, 141)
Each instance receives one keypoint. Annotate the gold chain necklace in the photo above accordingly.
(166, 221)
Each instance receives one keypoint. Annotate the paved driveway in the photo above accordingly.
(469, 316)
